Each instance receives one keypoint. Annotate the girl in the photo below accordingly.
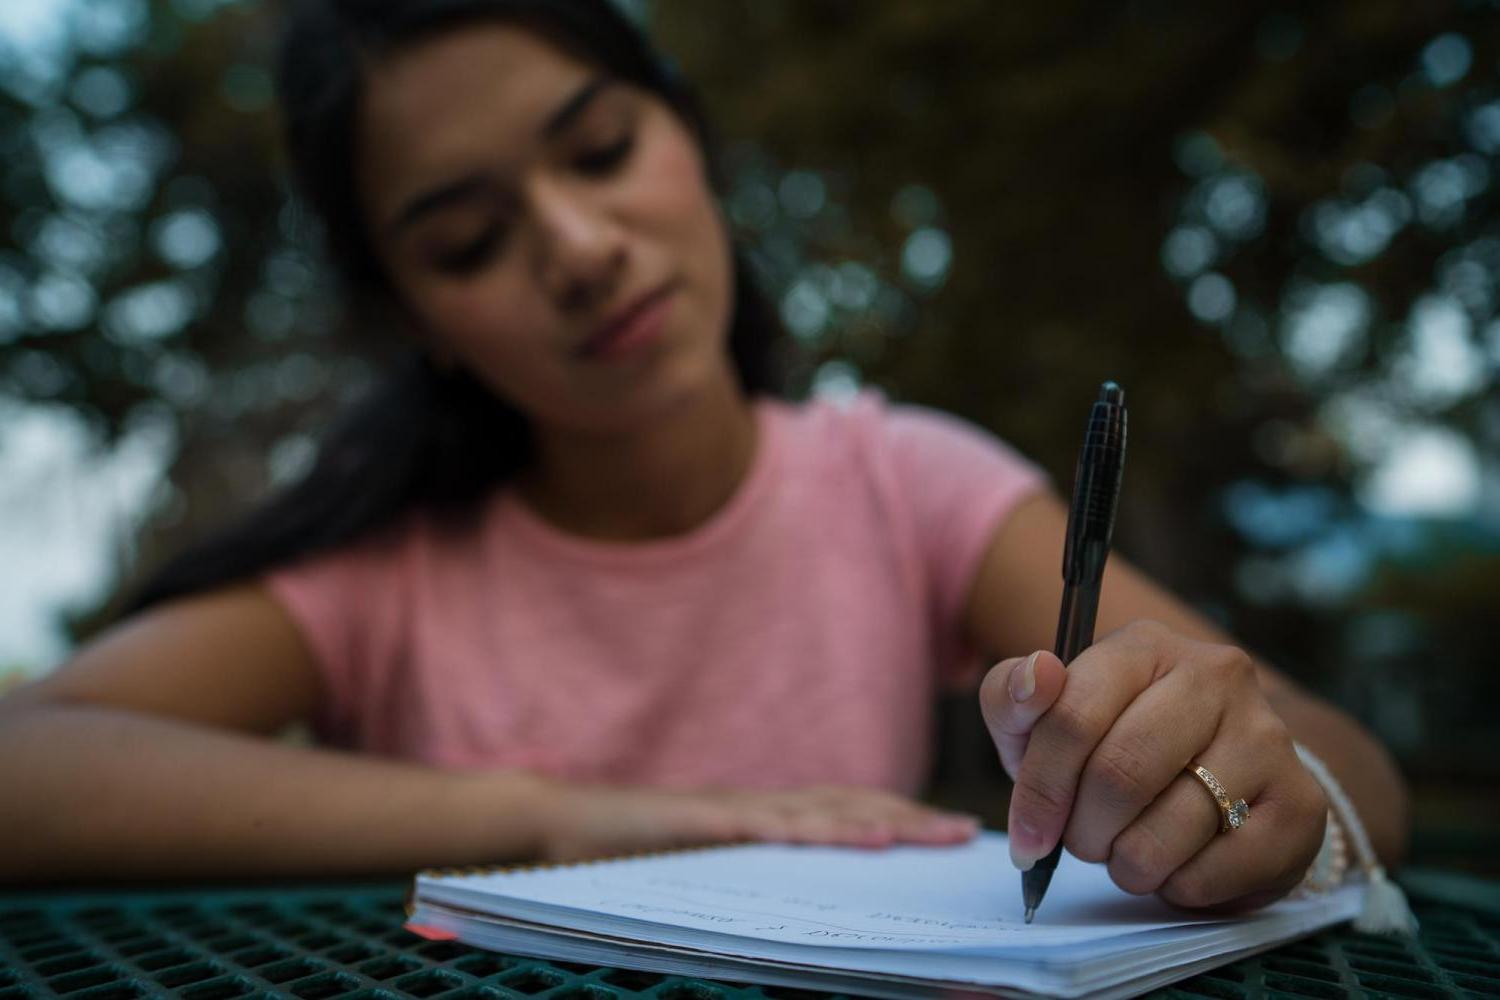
(572, 582)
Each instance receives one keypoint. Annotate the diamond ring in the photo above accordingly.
(1232, 812)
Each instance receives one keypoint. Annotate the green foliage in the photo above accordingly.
(156, 274)
(1247, 214)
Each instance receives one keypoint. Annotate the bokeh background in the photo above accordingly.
(1274, 223)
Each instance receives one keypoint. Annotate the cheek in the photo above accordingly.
(490, 327)
(674, 201)
(673, 172)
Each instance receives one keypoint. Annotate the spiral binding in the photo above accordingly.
(527, 866)
(463, 871)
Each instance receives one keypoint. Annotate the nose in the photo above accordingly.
(580, 249)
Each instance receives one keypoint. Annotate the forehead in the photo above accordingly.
(448, 101)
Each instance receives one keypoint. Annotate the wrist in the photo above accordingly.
(1384, 909)
(515, 810)
(558, 817)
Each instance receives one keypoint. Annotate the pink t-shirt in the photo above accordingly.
(796, 637)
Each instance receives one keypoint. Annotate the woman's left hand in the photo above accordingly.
(1098, 755)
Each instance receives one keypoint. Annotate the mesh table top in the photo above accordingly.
(346, 940)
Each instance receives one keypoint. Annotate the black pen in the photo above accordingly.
(1091, 521)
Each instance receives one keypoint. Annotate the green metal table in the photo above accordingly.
(346, 940)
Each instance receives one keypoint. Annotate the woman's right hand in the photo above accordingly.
(584, 821)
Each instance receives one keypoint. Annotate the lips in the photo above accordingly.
(636, 324)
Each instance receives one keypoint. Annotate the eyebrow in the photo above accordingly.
(471, 185)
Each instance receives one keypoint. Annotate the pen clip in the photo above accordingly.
(1096, 488)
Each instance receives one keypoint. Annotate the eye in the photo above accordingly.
(470, 256)
(598, 162)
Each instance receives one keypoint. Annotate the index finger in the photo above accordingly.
(1102, 681)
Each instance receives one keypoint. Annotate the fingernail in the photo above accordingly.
(1025, 845)
(1023, 679)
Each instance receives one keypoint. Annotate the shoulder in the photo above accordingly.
(910, 439)
(361, 606)
(382, 550)
(865, 417)
(382, 567)
(925, 471)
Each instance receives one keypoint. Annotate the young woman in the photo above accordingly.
(572, 582)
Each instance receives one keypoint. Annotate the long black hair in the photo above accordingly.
(423, 436)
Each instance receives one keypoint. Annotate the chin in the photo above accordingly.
(677, 386)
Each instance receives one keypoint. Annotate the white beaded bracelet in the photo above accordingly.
(1385, 909)
(1327, 869)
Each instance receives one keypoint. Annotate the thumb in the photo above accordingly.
(1014, 694)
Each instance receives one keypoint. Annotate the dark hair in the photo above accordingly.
(422, 436)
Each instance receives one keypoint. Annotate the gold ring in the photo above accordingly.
(1232, 813)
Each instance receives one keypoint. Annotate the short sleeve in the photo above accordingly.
(959, 483)
(348, 604)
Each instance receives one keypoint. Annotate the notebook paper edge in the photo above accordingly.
(1073, 968)
(1094, 977)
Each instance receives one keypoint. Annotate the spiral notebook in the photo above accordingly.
(900, 922)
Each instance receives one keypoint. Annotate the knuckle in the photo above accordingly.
(1147, 631)
(1138, 861)
(1234, 664)
(1083, 845)
(1043, 796)
(810, 828)
(1267, 729)
(1186, 887)
(924, 817)
(1069, 724)
(892, 802)
(855, 826)
(1297, 794)
(907, 830)
(1117, 774)
(1143, 627)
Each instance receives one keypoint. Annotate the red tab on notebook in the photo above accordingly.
(431, 933)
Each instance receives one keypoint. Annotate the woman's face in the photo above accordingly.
(548, 227)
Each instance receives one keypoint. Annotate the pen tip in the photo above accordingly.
(1030, 912)
(1111, 392)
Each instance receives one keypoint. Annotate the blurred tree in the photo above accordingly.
(157, 275)
(1273, 223)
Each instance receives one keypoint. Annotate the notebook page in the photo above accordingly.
(905, 898)
(857, 972)
(1150, 957)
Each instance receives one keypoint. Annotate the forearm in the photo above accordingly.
(95, 792)
(1365, 769)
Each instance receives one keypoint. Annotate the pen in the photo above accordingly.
(1091, 521)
